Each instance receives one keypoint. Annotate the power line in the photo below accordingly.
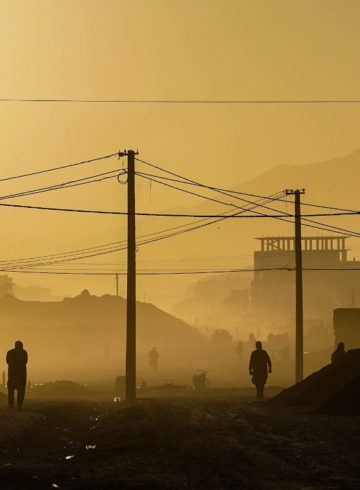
(52, 259)
(203, 263)
(69, 253)
(24, 265)
(323, 206)
(188, 227)
(104, 176)
(149, 273)
(323, 227)
(68, 165)
(70, 210)
(145, 174)
(77, 256)
(117, 246)
(258, 215)
(185, 101)
(146, 239)
(173, 215)
(188, 192)
(72, 183)
(332, 228)
(194, 183)
(109, 245)
(177, 273)
(281, 217)
(184, 228)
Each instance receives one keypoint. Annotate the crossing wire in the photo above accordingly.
(117, 246)
(177, 215)
(72, 183)
(60, 167)
(258, 196)
(179, 273)
(183, 101)
(323, 226)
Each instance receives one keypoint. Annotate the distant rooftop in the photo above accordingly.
(328, 237)
(312, 243)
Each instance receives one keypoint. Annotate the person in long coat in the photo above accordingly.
(259, 367)
(17, 359)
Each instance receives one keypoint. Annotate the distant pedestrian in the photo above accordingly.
(339, 354)
(153, 359)
(259, 367)
(17, 359)
(239, 351)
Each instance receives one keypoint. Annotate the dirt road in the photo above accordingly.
(214, 441)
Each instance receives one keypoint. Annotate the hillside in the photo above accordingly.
(331, 182)
(88, 332)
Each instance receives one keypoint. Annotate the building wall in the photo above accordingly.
(347, 327)
(274, 291)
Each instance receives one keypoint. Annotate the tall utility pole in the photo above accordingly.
(130, 388)
(117, 283)
(299, 336)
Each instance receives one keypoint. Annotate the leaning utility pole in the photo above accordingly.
(130, 389)
(299, 343)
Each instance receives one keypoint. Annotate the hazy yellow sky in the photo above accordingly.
(158, 49)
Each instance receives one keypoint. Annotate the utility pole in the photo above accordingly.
(130, 387)
(117, 283)
(299, 336)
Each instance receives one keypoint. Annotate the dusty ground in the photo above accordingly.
(183, 441)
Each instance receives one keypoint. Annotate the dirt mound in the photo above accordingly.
(61, 387)
(333, 389)
(346, 402)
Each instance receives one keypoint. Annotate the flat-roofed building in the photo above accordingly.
(273, 286)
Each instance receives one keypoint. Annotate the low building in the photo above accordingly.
(347, 327)
(327, 281)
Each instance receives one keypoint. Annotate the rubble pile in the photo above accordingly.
(333, 389)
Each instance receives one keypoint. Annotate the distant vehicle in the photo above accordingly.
(200, 381)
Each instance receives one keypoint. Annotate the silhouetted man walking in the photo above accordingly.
(153, 359)
(17, 359)
(259, 366)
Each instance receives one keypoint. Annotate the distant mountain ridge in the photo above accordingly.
(333, 182)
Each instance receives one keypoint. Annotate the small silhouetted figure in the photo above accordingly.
(200, 381)
(339, 354)
(259, 366)
(153, 359)
(17, 359)
(239, 351)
